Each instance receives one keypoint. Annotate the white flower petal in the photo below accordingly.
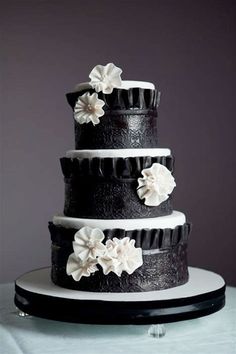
(82, 235)
(99, 104)
(83, 100)
(107, 89)
(78, 268)
(112, 71)
(99, 112)
(84, 254)
(80, 117)
(77, 274)
(144, 192)
(155, 199)
(93, 99)
(107, 264)
(97, 234)
(147, 172)
(118, 269)
(117, 82)
(72, 264)
(95, 120)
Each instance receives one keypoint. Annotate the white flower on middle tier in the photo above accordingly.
(121, 256)
(88, 108)
(88, 243)
(155, 185)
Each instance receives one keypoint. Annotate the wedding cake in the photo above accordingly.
(118, 232)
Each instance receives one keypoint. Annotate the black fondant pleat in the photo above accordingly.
(147, 239)
(129, 167)
(121, 99)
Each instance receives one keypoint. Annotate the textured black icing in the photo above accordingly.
(165, 268)
(99, 198)
(147, 239)
(130, 120)
(159, 271)
(119, 131)
(106, 188)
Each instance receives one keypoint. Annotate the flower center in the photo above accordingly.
(90, 245)
(89, 108)
(151, 181)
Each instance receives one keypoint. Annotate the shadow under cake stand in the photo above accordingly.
(202, 295)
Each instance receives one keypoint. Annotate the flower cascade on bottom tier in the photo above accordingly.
(155, 185)
(116, 255)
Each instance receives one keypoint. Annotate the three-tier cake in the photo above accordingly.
(119, 232)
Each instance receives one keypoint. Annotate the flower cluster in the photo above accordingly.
(117, 255)
(88, 107)
(155, 185)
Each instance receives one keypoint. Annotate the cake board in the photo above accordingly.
(36, 295)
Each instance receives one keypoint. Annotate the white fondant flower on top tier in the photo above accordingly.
(78, 268)
(156, 185)
(105, 78)
(88, 108)
(88, 243)
(121, 256)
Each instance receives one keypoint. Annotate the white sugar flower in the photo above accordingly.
(156, 185)
(88, 243)
(78, 268)
(105, 78)
(88, 108)
(121, 256)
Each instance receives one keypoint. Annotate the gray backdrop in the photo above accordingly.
(187, 48)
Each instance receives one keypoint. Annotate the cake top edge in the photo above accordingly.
(125, 85)
(103, 153)
(162, 222)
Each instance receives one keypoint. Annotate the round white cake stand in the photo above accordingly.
(36, 295)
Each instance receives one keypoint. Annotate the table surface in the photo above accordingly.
(215, 333)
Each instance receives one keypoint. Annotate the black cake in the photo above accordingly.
(119, 232)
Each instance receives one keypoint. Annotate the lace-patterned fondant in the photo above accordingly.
(90, 182)
(159, 271)
(130, 120)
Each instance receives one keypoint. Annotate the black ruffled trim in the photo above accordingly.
(147, 239)
(129, 167)
(121, 99)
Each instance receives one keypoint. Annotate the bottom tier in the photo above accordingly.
(153, 257)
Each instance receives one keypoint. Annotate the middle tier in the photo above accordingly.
(104, 187)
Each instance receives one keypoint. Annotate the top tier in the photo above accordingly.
(114, 114)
